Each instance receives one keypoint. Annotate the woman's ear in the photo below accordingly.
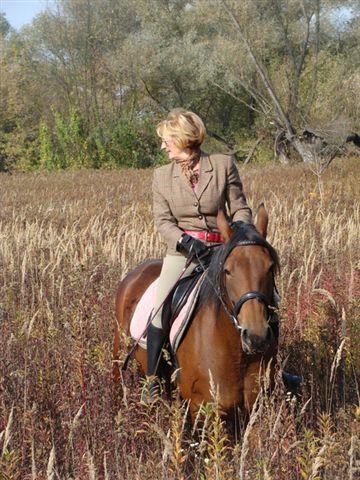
(262, 220)
(224, 228)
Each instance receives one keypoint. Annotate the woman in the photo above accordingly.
(187, 194)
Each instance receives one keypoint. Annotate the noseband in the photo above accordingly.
(260, 297)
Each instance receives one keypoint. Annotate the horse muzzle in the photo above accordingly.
(256, 344)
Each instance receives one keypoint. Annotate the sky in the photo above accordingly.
(20, 12)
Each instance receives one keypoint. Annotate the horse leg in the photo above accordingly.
(115, 365)
(141, 358)
(121, 327)
(251, 385)
(252, 380)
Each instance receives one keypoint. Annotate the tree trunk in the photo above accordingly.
(304, 149)
(281, 148)
(284, 159)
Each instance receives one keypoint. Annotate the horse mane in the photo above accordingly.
(212, 281)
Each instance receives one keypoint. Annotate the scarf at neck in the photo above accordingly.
(187, 166)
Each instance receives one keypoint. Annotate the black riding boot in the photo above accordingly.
(155, 342)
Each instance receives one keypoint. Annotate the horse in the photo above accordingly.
(233, 334)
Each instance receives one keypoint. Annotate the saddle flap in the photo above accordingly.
(184, 307)
(178, 298)
(185, 314)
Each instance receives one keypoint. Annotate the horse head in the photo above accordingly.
(247, 280)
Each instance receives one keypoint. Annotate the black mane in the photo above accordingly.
(242, 232)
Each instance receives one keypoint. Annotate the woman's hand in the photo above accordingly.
(192, 246)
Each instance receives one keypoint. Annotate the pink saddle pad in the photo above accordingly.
(145, 307)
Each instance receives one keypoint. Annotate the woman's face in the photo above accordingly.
(171, 149)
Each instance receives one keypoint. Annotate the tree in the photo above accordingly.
(286, 71)
(272, 49)
(4, 25)
(164, 58)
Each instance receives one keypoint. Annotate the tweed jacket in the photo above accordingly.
(177, 207)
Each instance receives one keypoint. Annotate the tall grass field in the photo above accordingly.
(68, 238)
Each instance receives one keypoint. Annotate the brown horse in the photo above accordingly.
(234, 330)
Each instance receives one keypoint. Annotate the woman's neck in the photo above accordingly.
(188, 157)
(183, 156)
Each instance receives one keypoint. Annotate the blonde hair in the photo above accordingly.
(186, 129)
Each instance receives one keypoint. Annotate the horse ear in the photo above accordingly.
(262, 220)
(224, 228)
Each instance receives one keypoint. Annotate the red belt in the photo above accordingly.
(205, 235)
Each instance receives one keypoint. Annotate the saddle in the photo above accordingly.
(178, 298)
(177, 309)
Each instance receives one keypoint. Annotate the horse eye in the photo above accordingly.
(227, 272)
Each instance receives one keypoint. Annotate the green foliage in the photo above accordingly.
(19, 150)
(4, 25)
(47, 155)
(70, 140)
(133, 144)
(69, 143)
(4, 160)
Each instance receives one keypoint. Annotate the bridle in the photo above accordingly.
(234, 310)
(270, 309)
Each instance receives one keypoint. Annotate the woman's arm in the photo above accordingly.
(164, 219)
(239, 209)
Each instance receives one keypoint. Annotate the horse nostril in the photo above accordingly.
(254, 343)
(244, 334)
(269, 335)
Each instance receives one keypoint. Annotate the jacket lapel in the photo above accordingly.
(206, 174)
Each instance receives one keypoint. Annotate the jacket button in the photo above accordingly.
(200, 217)
(196, 204)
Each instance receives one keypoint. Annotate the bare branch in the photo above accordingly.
(284, 31)
(219, 138)
(262, 72)
(257, 96)
(238, 99)
(252, 151)
(314, 79)
(304, 51)
(324, 165)
(152, 96)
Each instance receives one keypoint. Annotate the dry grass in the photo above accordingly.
(65, 241)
